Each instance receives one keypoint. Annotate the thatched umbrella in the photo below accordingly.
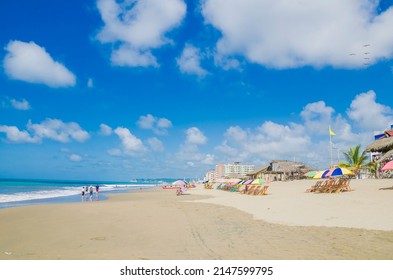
(381, 145)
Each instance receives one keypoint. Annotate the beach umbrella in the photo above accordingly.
(259, 182)
(339, 171)
(311, 174)
(179, 183)
(388, 166)
(234, 181)
(247, 182)
(321, 174)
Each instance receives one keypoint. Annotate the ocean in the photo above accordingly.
(21, 192)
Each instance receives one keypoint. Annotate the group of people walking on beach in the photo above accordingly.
(88, 191)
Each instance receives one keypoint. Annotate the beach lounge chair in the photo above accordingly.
(249, 189)
(256, 190)
(325, 186)
(263, 191)
(315, 186)
(334, 186)
(342, 185)
(252, 189)
(246, 189)
(346, 187)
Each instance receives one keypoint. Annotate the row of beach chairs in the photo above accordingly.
(331, 186)
(255, 190)
(243, 189)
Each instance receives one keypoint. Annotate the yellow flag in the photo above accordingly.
(331, 132)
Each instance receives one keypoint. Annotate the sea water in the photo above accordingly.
(20, 192)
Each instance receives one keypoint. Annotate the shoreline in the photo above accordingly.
(157, 224)
(103, 195)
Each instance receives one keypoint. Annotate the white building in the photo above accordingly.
(231, 170)
(210, 175)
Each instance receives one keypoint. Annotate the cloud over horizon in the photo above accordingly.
(53, 129)
(308, 140)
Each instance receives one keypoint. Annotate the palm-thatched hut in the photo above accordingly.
(281, 170)
(383, 146)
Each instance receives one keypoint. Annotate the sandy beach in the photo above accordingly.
(208, 224)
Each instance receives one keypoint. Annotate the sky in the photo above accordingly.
(118, 90)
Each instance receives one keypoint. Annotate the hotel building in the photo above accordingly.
(230, 170)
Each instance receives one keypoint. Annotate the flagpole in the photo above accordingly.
(331, 151)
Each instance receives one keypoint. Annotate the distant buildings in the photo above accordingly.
(210, 175)
(230, 170)
(276, 170)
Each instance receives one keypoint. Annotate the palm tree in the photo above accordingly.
(373, 167)
(356, 160)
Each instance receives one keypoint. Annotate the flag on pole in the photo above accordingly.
(331, 132)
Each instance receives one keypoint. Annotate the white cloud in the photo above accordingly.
(75, 157)
(317, 117)
(52, 129)
(131, 144)
(164, 123)
(127, 56)
(190, 61)
(146, 122)
(368, 114)
(272, 138)
(225, 148)
(139, 26)
(105, 129)
(208, 159)
(289, 34)
(157, 125)
(308, 140)
(15, 135)
(269, 141)
(236, 133)
(114, 152)
(57, 130)
(155, 144)
(195, 136)
(90, 83)
(20, 105)
(189, 150)
(31, 63)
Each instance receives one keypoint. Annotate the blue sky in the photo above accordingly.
(115, 90)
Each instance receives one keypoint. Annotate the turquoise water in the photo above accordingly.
(19, 192)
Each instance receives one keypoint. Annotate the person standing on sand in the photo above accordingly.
(83, 194)
(97, 190)
(91, 193)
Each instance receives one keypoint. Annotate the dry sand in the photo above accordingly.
(208, 224)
